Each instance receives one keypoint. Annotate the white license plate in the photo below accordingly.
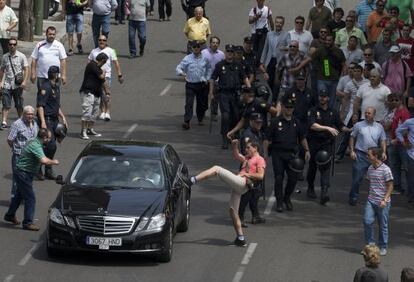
(102, 242)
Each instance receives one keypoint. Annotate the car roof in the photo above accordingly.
(130, 148)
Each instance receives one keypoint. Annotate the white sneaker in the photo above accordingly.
(102, 116)
(84, 135)
(383, 252)
(107, 117)
(92, 132)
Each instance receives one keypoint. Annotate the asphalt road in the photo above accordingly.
(312, 243)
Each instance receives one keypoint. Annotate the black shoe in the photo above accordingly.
(244, 225)
(13, 220)
(311, 194)
(288, 204)
(186, 126)
(141, 52)
(352, 202)
(279, 207)
(324, 196)
(240, 243)
(40, 176)
(258, 220)
(80, 49)
(49, 174)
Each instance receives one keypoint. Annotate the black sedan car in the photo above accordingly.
(121, 196)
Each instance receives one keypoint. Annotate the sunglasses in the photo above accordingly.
(299, 22)
(12, 44)
(197, 46)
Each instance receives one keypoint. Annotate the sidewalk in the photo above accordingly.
(26, 47)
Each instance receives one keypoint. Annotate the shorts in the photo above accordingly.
(16, 95)
(90, 106)
(74, 23)
(237, 185)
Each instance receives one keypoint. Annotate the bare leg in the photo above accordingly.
(236, 221)
(5, 114)
(79, 37)
(70, 40)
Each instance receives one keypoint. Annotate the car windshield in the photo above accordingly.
(118, 171)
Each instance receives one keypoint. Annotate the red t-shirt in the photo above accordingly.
(252, 164)
(407, 51)
(400, 116)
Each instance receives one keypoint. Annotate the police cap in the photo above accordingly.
(248, 39)
(301, 76)
(323, 93)
(257, 117)
(238, 49)
(288, 99)
(229, 48)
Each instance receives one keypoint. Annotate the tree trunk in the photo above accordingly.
(26, 20)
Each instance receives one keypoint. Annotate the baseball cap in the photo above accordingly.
(395, 49)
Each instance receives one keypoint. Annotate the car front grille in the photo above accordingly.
(106, 225)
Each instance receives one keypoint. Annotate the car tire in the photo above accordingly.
(185, 223)
(166, 254)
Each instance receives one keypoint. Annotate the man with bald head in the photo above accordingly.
(368, 134)
(373, 94)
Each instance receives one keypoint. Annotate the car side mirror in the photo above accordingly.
(59, 180)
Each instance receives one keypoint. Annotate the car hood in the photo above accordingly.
(113, 201)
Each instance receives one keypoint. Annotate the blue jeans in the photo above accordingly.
(397, 159)
(330, 87)
(133, 27)
(410, 178)
(24, 191)
(373, 211)
(359, 169)
(98, 22)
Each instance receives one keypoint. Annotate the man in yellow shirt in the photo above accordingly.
(197, 28)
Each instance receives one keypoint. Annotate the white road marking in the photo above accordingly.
(245, 261)
(130, 130)
(29, 254)
(9, 278)
(166, 89)
(249, 253)
(270, 203)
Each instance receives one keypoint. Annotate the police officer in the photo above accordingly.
(285, 135)
(324, 127)
(252, 133)
(229, 75)
(252, 105)
(239, 57)
(250, 56)
(48, 113)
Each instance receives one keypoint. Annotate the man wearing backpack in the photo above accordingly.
(396, 74)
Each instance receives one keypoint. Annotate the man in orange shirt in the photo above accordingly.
(374, 19)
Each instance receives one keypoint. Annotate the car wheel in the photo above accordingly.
(166, 254)
(183, 227)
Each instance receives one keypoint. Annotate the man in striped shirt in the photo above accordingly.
(379, 199)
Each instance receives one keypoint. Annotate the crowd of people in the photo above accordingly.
(336, 83)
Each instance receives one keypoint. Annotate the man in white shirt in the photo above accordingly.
(373, 94)
(260, 19)
(300, 34)
(137, 22)
(107, 68)
(47, 53)
(8, 21)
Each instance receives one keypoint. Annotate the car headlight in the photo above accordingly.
(157, 222)
(56, 216)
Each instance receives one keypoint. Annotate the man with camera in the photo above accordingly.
(15, 68)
